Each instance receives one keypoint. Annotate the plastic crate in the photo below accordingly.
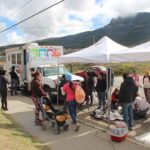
(119, 134)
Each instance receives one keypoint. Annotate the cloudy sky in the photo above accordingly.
(68, 17)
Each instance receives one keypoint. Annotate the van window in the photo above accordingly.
(8, 57)
(49, 71)
(18, 59)
(13, 59)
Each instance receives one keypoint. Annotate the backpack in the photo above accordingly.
(79, 94)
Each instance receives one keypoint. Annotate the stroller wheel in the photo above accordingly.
(65, 127)
(53, 123)
(43, 127)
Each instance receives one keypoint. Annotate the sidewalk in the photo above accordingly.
(21, 109)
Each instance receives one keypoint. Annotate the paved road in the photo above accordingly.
(21, 109)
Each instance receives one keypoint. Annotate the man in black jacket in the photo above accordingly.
(14, 81)
(127, 96)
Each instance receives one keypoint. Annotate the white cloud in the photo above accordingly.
(14, 38)
(2, 41)
(117, 8)
(2, 26)
(57, 21)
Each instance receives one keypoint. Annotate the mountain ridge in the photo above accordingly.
(129, 31)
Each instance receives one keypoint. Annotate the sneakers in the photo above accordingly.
(77, 127)
(130, 129)
(38, 122)
(4, 108)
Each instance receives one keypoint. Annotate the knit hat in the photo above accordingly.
(68, 76)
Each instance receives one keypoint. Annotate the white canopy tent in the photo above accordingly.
(99, 52)
(108, 51)
(138, 53)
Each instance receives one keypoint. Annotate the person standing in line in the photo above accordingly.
(146, 86)
(37, 92)
(62, 97)
(127, 94)
(101, 90)
(14, 81)
(90, 87)
(3, 90)
(69, 90)
(136, 79)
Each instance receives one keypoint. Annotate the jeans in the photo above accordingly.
(4, 99)
(14, 83)
(127, 110)
(72, 110)
(101, 98)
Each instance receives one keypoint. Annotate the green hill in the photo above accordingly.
(129, 31)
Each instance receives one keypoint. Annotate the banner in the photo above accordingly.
(45, 55)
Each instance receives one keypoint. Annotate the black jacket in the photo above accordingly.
(3, 85)
(101, 85)
(128, 91)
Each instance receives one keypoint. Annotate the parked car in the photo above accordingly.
(97, 69)
(81, 73)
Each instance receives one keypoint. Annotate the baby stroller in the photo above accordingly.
(52, 115)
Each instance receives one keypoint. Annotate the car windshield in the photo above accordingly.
(49, 71)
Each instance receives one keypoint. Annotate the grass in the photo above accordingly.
(118, 68)
(13, 136)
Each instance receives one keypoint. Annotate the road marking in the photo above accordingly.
(83, 134)
(71, 137)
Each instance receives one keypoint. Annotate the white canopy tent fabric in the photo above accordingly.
(100, 52)
(138, 53)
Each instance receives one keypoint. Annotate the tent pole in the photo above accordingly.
(57, 83)
(109, 93)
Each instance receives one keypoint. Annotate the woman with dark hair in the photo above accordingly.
(62, 97)
(101, 90)
(37, 92)
(69, 90)
(3, 90)
(90, 87)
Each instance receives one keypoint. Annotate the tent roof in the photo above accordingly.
(97, 53)
(138, 53)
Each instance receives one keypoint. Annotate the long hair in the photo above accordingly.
(71, 85)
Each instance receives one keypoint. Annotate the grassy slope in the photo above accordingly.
(118, 68)
(13, 137)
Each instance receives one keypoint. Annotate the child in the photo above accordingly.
(114, 99)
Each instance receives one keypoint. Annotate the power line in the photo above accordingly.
(55, 26)
(15, 10)
(31, 16)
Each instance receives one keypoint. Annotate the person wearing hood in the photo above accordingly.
(69, 90)
(127, 94)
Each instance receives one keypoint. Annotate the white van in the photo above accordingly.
(31, 57)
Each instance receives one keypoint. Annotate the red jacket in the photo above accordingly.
(114, 97)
